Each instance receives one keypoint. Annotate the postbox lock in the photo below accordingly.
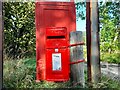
(56, 50)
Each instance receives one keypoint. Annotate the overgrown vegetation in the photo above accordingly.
(109, 31)
(21, 74)
(19, 29)
(111, 58)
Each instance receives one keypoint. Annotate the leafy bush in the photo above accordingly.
(111, 57)
(19, 28)
(109, 26)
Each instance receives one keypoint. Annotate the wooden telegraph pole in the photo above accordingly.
(1, 46)
(92, 34)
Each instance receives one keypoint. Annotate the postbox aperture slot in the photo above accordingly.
(55, 37)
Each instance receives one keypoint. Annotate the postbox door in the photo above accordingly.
(57, 64)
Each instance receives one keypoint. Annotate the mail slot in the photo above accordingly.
(57, 54)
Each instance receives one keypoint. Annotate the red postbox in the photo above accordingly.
(57, 54)
(54, 21)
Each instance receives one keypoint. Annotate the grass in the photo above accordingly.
(108, 83)
(21, 74)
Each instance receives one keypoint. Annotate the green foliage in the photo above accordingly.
(19, 28)
(109, 32)
(80, 10)
(111, 58)
(109, 22)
